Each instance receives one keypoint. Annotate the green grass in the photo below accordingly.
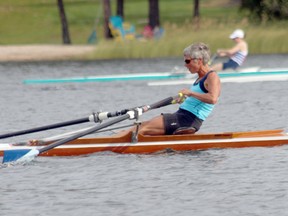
(38, 22)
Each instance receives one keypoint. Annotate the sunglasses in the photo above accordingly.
(187, 61)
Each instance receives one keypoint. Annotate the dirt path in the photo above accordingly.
(43, 52)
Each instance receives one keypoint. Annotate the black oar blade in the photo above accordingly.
(16, 154)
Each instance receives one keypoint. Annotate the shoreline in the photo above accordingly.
(13, 53)
(55, 52)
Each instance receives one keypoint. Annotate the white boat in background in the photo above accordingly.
(244, 75)
(110, 78)
(176, 77)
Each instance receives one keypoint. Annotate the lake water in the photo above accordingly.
(249, 181)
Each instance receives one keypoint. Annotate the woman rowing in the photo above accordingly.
(236, 54)
(200, 98)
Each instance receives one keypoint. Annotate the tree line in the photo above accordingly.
(153, 16)
(259, 10)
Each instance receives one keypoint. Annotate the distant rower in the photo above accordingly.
(236, 54)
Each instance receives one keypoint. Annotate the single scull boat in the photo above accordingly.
(152, 144)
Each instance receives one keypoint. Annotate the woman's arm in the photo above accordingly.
(212, 84)
(229, 52)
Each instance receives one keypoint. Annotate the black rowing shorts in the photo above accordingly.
(181, 118)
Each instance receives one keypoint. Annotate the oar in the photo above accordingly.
(95, 117)
(24, 155)
(213, 58)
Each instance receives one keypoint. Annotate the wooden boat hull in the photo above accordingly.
(153, 144)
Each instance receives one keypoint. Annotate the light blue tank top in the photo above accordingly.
(198, 108)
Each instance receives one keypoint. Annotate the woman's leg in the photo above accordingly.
(154, 126)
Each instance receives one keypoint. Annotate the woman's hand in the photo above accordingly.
(221, 53)
(183, 94)
(186, 92)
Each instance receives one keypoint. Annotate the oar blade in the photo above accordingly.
(19, 155)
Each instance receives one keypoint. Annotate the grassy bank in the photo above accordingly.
(37, 22)
(261, 41)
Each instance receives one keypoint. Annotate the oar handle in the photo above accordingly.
(164, 102)
(212, 59)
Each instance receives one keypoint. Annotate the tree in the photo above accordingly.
(154, 13)
(266, 9)
(107, 14)
(120, 8)
(64, 23)
(196, 14)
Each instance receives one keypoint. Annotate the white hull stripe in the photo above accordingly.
(278, 77)
(159, 143)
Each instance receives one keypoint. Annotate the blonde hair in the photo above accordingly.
(199, 51)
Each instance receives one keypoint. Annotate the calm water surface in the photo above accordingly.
(250, 181)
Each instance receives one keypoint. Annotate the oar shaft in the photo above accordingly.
(100, 116)
(164, 102)
(96, 117)
(47, 127)
(84, 133)
(161, 103)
